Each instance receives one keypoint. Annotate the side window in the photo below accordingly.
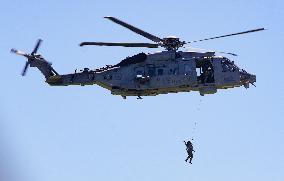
(175, 71)
(139, 71)
(160, 71)
(187, 69)
(151, 71)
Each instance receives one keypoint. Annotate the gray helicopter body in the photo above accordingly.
(162, 73)
(169, 71)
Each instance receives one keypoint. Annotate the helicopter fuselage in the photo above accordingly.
(162, 73)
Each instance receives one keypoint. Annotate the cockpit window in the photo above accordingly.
(228, 66)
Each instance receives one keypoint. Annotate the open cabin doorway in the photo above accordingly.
(205, 71)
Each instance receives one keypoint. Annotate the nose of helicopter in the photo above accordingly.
(252, 79)
(247, 79)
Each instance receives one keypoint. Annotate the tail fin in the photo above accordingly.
(36, 60)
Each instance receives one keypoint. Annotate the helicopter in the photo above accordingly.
(151, 74)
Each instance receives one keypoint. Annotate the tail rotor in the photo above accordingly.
(30, 57)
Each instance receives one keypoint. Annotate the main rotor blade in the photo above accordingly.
(148, 45)
(134, 29)
(36, 47)
(25, 68)
(233, 54)
(233, 34)
(204, 50)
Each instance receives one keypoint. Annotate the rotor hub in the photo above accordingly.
(172, 43)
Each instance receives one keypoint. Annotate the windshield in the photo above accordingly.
(228, 65)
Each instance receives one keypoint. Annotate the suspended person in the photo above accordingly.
(189, 149)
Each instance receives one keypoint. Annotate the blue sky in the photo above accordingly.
(85, 133)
